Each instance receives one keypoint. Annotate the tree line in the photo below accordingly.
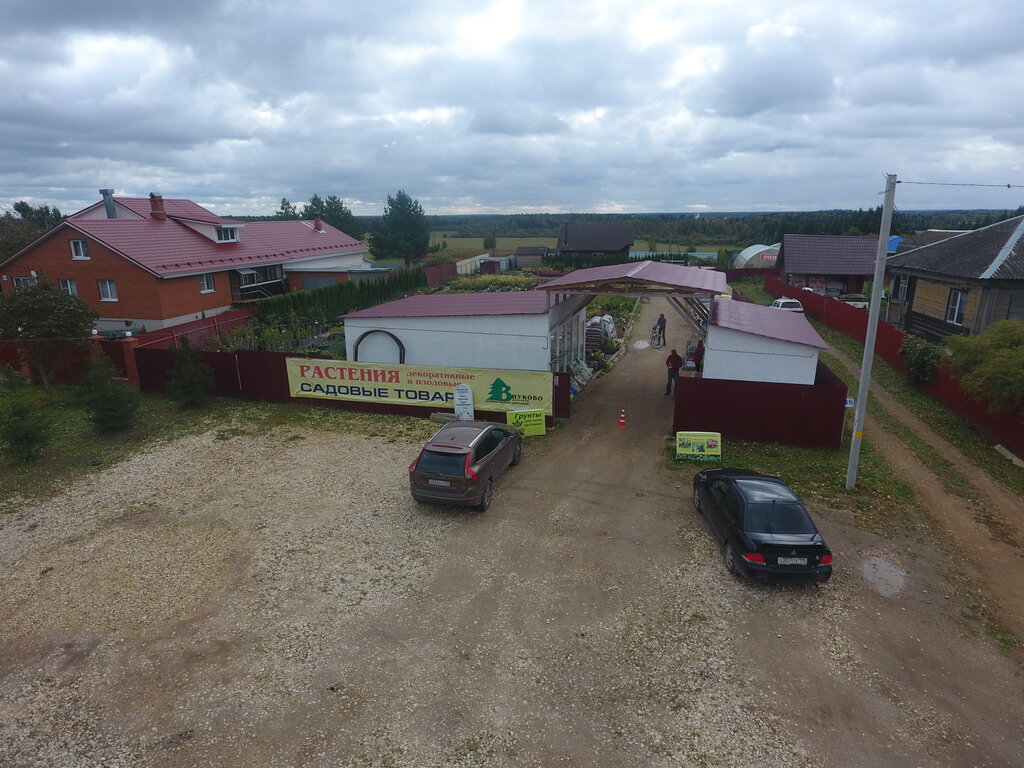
(402, 232)
(721, 229)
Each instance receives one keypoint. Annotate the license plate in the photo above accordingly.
(792, 561)
(442, 483)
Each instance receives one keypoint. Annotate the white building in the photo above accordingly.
(748, 342)
(515, 330)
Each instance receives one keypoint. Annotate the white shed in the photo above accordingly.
(514, 330)
(748, 342)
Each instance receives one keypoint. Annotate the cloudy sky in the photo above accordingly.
(514, 105)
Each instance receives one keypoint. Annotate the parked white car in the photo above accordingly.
(788, 305)
(858, 300)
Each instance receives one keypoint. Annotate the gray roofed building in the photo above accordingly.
(828, 254)
(603, 239)
(828, 264)
(960, 284)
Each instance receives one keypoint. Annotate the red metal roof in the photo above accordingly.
(765, 321)
(174, 208)
(652, 274)
(169, 248)
(461, 305)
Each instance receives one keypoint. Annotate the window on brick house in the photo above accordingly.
(108, 290)
(70, 287)
(79, 249)
(23, 282)
(206, 283)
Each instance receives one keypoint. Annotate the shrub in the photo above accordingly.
(111, 405)
(991, 364)
(26, 427)
(922, 359)
(191, 380)
(488, 283)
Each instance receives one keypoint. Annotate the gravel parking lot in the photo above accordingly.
(277, 599)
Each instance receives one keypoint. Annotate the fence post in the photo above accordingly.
(131, 368)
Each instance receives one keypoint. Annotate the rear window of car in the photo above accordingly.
(777, 518)
(439, 463)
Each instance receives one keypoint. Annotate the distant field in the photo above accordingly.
(474, 245)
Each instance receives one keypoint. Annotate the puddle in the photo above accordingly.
(641, 344)
(884, 575)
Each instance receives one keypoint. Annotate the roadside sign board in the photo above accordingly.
(529, 422)
(699, 446)
(493, 389)
(463, 403)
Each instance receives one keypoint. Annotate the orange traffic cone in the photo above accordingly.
(622, 419)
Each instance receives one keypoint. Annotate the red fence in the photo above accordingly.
(439, 273)
(1005, 428)
(196, 330)
(255, 375)
(809, 415)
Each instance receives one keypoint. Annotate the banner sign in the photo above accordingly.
(493, 389)
(700, 446)
(528, 422)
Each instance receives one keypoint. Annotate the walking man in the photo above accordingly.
(673, 363)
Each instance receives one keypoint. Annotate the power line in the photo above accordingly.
(960, 184)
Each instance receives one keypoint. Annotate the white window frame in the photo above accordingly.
(108, 290)
(206, 283)
(227, 234)
(23, 282)
(956, 305)
(69, 286)
(901, 290)
(80, 250)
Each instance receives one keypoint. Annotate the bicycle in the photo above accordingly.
(657, 340)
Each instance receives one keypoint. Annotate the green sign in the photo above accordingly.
(699, 446)
(528, 422)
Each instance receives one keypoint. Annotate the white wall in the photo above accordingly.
(332, 263)
(153, 323)
(516, 342)
(742, 356)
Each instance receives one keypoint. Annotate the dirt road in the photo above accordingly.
(276, 599)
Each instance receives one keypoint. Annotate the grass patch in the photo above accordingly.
(77, 450)
(881, 502)
(971, 442)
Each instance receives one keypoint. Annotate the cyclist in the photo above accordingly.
(661, 328)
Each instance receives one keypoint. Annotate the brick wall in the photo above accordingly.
(141, 296)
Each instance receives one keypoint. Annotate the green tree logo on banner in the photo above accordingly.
(500, 392)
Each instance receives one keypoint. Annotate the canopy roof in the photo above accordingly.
(640, 278)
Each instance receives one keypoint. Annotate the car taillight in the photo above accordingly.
(754, 557)
(826, 559)
(470, 474)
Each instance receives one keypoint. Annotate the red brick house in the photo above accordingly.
(154, 263)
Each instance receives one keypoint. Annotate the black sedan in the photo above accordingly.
(764, 529)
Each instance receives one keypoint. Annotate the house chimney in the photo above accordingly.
(317, 224)
(108, 203)
(156, 203)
